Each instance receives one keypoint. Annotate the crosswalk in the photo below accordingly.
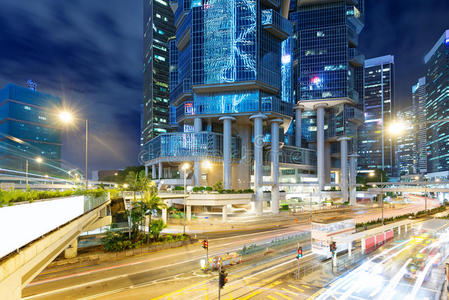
(283, 290)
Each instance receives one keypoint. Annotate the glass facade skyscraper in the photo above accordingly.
(28, 130)
(437, 105)
(239, 97)
(406, 147)
(158, 29)
(376, 146)
(328, 79)
(419, 105)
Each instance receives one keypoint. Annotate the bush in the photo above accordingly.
(196, 189)
(284, 207)
(209, 189)
(248, 191)
(218, 186)
(179, 188)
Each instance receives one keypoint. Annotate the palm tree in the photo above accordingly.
(150, 197)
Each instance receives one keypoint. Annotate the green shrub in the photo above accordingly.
(284, 207)
(179, 188)
(196, 189)
(218, 186)
(209, 189)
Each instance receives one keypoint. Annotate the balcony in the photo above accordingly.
(274, 104)
(185, 146)
(355, 57)
(275, 24)
(183, 32)
(185, 109)
(181, 92)
(354, 115)
(297, 156)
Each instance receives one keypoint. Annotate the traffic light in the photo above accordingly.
(222, 279)
(205, 244)
(333, 247)
(299, 253)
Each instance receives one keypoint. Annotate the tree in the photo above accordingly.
(156, 227)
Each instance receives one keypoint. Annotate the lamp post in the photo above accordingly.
(185, 167)
(372, 174)
(68, 118)
(38, 160)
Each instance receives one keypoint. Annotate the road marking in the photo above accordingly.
(306, 286)
(288, 291)
(272, 298)
(283, 296)
(296, 288)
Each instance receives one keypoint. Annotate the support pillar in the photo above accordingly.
(197, 127)
(160, 170)
(189, 213)
(153, 172)
(275, 165)
(224, 212)
(344, 167)
(353, 179)
(258, 161)
(72, 249)
(164, 215)
(227, 151)
(146, 171)
(320, 144)
(298, 116)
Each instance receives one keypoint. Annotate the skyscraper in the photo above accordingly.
(406, 147)
(158, 28)
(328, 80)
(376, 146)
(419, 104)
(28, 130)
(437, 106)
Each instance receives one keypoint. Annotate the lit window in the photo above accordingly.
(158, 16)
(27, 108)
(319, 34)
(42, 118)
(158, 57)
(162, 2)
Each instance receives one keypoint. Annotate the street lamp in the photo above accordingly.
(185, 167)
(67, 117)
(38, 160)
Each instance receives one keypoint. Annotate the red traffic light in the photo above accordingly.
(333, 247)
(205, 244)
(299, 253)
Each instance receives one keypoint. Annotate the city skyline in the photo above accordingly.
(117, 75)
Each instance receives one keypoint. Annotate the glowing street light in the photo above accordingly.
(126, 185)
(67, 117)
(39, 159)
(396, 128)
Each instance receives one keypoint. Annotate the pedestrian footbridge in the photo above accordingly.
(33, 234)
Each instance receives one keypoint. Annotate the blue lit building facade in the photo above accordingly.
(231, 96)
(158, 28)
(28, 130)
(437, 107)
(376, 146)
(328, 83)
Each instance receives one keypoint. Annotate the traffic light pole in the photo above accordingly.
(219, 287)
(207, 254)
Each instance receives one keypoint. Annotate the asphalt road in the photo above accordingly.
(176, 272)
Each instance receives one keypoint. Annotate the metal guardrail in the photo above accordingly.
(273, 243)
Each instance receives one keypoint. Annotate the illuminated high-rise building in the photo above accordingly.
(158, 27)
(376, 145)
(437, 107)
(406, 147)
(419, 104)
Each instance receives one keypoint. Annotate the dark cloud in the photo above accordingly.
(408, 29)
(89, 53)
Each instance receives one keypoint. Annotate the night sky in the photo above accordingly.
(89, 52)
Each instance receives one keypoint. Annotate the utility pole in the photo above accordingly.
(26, 173)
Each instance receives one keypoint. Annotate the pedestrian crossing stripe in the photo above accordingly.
(306, 286)
(283, 296)
(296, 288)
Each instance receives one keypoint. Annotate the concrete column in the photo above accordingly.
(72, 249)
(160, 170)
(227, 151)
(164, 215)
(320, 144)
(146, 171)
(197, 127)
(344, 167)
(349, 249)
(327, 163)
(189, 212)
(275, 165)
(353, 178)
(224, 212)
(298, 115)
(153, 172)
(258, 161)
